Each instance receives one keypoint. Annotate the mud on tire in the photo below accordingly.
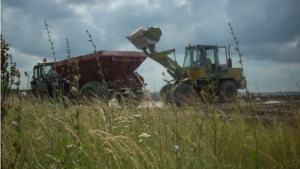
(183, 93)
(166, 93)
(94, 90)
(43, 90)
(228, 91)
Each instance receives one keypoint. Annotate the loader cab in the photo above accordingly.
(206, 61)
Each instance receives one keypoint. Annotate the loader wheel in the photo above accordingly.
(94, 90)
(166, 93)
(227, 91)
(183, 93)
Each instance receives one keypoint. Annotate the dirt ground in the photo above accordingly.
(278, 105)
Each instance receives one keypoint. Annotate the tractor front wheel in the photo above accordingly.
(166, 93)
(44, 90)
(183, 93)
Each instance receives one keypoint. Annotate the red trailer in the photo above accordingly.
(104, 73)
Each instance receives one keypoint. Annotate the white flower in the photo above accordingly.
(76, 78)
(74, 89)
(137, 115)
(15, 124)
(144, 135)
(176, 147)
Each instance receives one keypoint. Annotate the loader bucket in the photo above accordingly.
(145, 37)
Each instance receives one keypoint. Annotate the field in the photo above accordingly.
(50, 134)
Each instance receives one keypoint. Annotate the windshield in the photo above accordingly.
(194, 58)
(48, 72)
(44, 71)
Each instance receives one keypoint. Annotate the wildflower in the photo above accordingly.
(53, 166)
(144, 135)
(137, 115)
(140, 140)
(76, 78)
(74, 89)
(70, 146)
(176, 147)
(15, 124)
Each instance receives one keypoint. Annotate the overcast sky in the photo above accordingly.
(268, 32)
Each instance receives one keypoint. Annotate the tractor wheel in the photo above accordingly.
(183, 93)
(35, 90)
(94, 90)
(166, 93)
(44, 90)
(227, 91)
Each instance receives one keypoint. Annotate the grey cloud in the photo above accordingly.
(261, 26)
(265, 21)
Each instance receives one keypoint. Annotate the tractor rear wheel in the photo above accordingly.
(227, 91)
(94, 90)
(183, 93)
(166, 93)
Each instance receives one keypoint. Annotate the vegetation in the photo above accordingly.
(128, 137)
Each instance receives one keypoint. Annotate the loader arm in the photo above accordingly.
(162, 58)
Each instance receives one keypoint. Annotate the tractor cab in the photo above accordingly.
(206, 61)
(45, 79)
(44, 71)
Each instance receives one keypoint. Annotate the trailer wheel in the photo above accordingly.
(93, 90)
(166, 93)
(227, 91)
(183, 93)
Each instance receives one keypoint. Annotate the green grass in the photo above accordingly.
(112, 138)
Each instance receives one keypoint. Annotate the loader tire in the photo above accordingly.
(94, 90)
(228, 91)
(183, 93)
(166, 93)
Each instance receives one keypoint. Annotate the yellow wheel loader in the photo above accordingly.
(206, 72)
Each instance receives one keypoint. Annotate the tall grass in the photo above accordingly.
(168, 137)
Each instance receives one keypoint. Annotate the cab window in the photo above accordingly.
(36, 73)
(210, 54)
